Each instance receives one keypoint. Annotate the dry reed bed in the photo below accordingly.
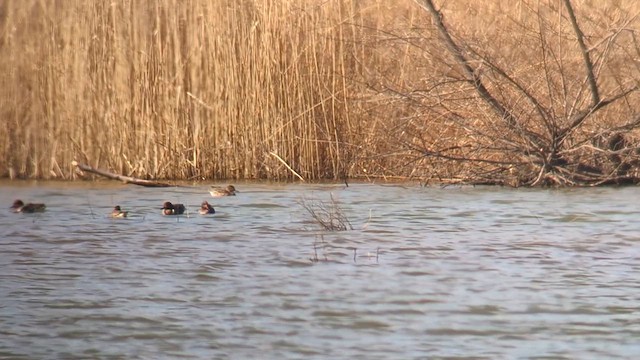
(225, 89)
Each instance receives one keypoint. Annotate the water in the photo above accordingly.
(460, 272)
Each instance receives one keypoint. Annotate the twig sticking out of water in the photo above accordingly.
(93, 215)
(321, 245)
(329, 216)
(185, 215)
(315, 258)
(537, 217)
(315, 253)
(365, 226)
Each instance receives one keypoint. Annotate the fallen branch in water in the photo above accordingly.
(125, 179)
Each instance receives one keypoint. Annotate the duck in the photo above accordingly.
(118, 212)
(206, 208)
(172, 209)
(19, 206)
(217, 191)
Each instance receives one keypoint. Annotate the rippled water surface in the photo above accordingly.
(464, 273)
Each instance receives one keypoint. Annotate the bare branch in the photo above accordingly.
(542, 112)
(329, 216)
(595, 94)
(580, 117)
(473, 77)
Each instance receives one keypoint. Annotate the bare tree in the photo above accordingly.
(535, 133)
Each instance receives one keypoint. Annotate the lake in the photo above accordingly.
(426, 273)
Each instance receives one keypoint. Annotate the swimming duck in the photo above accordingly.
(19, 206)
(206, 208)
(172, 209)
(118, 212)
(217, 191)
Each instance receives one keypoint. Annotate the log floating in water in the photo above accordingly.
(125, 179)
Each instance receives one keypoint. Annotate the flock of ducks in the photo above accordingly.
(168, 208)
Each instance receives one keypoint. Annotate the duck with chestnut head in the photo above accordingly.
(118, 212)
(206, 208)
(172, 209)
(20, 207)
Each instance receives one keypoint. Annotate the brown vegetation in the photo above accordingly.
(328, 216)
(521, 93)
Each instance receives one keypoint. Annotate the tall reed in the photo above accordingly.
(174, 89)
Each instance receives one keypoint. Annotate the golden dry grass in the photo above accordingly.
(228, 89)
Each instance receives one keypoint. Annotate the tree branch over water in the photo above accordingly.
(554, 156)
